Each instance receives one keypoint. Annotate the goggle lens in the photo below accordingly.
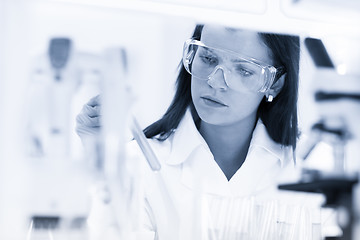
(203, 62)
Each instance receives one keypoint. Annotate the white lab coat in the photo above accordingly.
(208, 205)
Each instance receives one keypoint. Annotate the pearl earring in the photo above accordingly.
(270, 98)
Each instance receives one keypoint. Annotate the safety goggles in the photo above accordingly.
(239, 71)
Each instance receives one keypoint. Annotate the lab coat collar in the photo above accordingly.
(261, 138)
(187, 139)
(200, 170)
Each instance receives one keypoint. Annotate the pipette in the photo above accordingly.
(145, 147)
(172, 214)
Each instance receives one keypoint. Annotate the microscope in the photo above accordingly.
(338, 100)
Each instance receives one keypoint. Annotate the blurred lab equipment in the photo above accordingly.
(51, 90)
(54, 227)
(112, 195)
(117, 199)
(61, 80)
(57, 80)
(339, 184)
(59, 51)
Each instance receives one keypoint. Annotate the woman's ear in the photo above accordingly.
(276, 88)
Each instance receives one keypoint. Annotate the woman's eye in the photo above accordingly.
(208, 59)
(244, 72)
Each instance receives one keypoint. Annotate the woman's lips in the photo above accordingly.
(213, 102)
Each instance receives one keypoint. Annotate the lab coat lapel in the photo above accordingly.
(200, 172)
(257, 173)
(184, 141)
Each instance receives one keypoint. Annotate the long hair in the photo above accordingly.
(279, 116)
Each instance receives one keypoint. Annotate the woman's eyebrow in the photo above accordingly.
(238, 60)
(209, 50)
(212, 51)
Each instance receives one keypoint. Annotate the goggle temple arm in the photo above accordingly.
(274, 74)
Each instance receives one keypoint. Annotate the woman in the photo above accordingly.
(231, 126)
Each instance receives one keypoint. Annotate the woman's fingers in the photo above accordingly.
(87, 126)
(95, 101)
(87, 121)
(91, 111)
(87, 131)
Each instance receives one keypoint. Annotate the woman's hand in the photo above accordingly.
(88, 121)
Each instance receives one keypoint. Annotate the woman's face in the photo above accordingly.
(214, 101)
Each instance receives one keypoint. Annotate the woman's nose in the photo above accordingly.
(217, 79)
